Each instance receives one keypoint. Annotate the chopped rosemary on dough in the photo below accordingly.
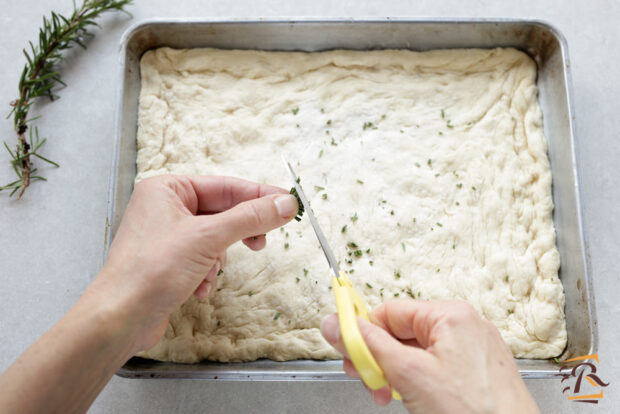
(459, 185)
(352, 271)
(329, 122)
(297, 279)
(429, 162)
(359, 181)
(276, 316)
(438, 270)
(440, 133)
(473, 188)
(397, 274)
(443, 114)
(392, 213)
(368, 285)
(453, 246)
(305, 272)
(402, 244)
(334, 142)
(458, 204)
(507, 278)
(352, 245)
(371, 262)
(396, 294)
(319, 188)
(357, 253)
(368, 251)
(439, 224)
(417, 164)
(344, 229)
(322, 110)
(320, 153)
(324, 196)
(354, 217)
(295, 110)
(286, 245)
(511, 311)
(410, 293)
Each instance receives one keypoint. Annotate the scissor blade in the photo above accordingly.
(315, 225)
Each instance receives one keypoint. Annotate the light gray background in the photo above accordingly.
(52, 240)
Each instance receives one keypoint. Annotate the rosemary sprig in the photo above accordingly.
(300, 211)
(39, 78)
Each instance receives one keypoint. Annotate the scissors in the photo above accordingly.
(350, 306)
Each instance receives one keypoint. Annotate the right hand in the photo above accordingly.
(440, 356)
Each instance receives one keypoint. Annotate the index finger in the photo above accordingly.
(216, 194)
(416, 320)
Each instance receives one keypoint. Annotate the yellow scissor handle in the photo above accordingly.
(350, 305)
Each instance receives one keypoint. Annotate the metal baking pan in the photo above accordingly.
(540, 40)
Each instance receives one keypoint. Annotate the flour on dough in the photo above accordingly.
(435, 162)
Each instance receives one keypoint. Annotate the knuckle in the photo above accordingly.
(253, 215)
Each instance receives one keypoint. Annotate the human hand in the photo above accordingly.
(172, 242)
(440, 356)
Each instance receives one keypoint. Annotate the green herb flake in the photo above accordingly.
(439, 224)
(305, 272)
(383, 201)
(359, 181)
(368, 285)
(219, 272)
(473, 188)
(417, 164)
(320, 153)
(295, 110)
(250, 293)
(357, 253)
(276, 316)
(343, 229)
(324, 196)
(402, 244)
(367, 251)
(507, 278)
(438, 270)
(429, 162)
(392, 213)
(352, 271)
(352, 245)
(436, 175)
(414, 220)
(354, 217)
(286, 234)
(453, 246)
(286, 245)
(440, 133)
(402, 132)
(396, 294)
(459, 185)
(457, 203)
(297, 279)
(329, 122)
(511, 311)
(410, 293)
(371, 262)
(334, 142)
(397, 274)
(319, 188)
(443, 114)
(556, 360)
(367, 125)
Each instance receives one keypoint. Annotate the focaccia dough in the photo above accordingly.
(436, 162)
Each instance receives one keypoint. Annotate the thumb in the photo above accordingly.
(250, 218)
(403, 365)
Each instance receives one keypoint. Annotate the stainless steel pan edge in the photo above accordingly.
(493, 33)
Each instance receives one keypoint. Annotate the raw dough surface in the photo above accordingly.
(434, 161)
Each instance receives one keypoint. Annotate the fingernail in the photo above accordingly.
(330, 328)
(286, 205)
(208, 290)
(214, 271)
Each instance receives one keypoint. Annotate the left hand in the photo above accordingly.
(172, 242)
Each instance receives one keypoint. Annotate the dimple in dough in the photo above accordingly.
(435, 162)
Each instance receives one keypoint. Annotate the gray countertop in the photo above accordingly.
(52, 240)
